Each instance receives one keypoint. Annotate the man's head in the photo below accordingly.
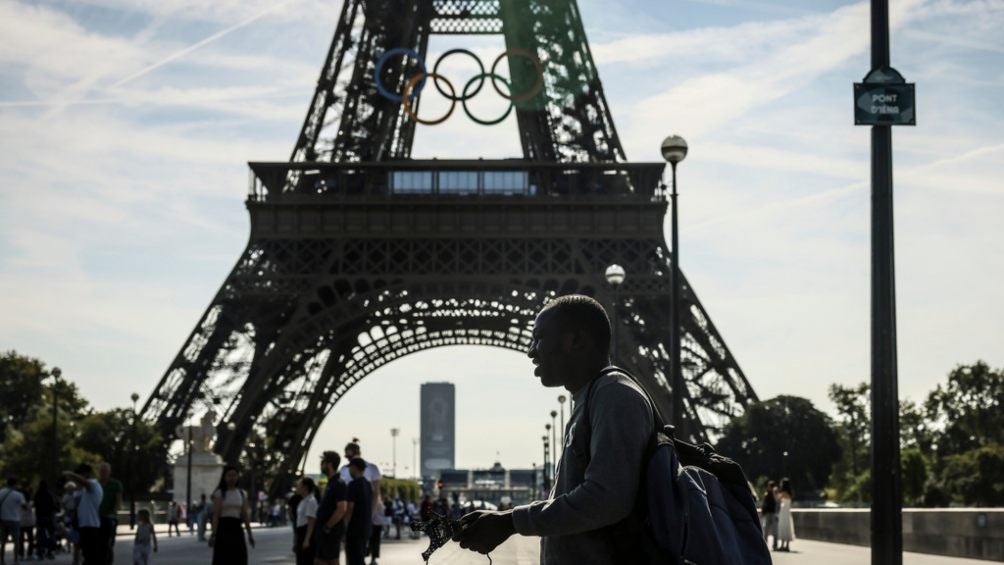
(330, 460)
(352, 449)
(84, 470)
(357, 467)
(104, 470)
(571, 340)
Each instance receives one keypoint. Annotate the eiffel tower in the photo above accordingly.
(359, 254)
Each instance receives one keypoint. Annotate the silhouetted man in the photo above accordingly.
(330, 526)
(600, 469)
(359, 514)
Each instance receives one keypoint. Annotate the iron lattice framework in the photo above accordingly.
(359, 255)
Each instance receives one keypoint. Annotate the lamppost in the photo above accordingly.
(547, 428)
(554, 435)
(547, 487)
(132, 464)
(253, 491)
(561, 403)
(56, 373)
(188, 476)
(393, 436)
(414, 457)
(674, 150)
(615, 276)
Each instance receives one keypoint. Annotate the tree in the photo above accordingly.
(854, 420)
(133, 448)
(21, 383)
(968, 412)
(976, 477)
(783, 436)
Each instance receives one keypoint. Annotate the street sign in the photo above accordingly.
(884, 99)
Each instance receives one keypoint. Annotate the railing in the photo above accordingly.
(440, 178)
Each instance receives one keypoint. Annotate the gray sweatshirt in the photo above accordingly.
(596, 485)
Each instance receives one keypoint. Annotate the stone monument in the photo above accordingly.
(206, 465)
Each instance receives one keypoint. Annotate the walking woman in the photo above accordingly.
(230, 511)
(785, 524)
(306, 518)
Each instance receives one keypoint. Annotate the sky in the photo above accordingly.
(126, 126)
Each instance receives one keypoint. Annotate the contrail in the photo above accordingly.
(194, 46)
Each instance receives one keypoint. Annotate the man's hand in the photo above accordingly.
(484, 530)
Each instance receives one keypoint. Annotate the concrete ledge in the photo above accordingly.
(976, 533)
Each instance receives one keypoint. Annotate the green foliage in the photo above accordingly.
(759, 439)
(968, 412)
(976, 477)
(400, 488)
(913, 470)
(83, 435)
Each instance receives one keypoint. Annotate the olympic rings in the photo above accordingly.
(416, 83)
(464, 97)
(405, 95)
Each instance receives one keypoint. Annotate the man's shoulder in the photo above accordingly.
(617, 385)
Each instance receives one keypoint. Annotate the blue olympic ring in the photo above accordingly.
(379, 69)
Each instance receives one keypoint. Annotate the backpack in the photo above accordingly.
(694, 506)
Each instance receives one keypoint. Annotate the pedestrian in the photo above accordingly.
(12, 505)
(399, 513)
(768, 509)
(570, 348)
(203, 516)
(45, 521)
(111, 501)
(26, 543)
(388, 517)
(358, 514)
(785, 523)
(93, 544)
(173, 517)
(231, 508)
(330, 528)
(306, 519)
(372, 474)
(69, 503)
(145, 542)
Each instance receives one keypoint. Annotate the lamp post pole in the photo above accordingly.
(554, 440)
(547, 487)
(886, 511)
(131, 481)
(561, 403)
(53, 462)
(393, 439)
(615, 276)
(188, 477)
(674, 150)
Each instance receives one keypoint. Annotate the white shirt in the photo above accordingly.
(87, 506)
(307, 508)
(372, 473)
(12, 499)
(233, 503)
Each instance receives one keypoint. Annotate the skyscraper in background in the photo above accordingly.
(438, 418)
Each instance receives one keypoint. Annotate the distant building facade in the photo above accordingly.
(438, 434)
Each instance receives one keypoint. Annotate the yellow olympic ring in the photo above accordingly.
(411, 84)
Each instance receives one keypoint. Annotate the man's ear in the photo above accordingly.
(574, 342)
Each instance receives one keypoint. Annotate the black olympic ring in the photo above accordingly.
(416, 83)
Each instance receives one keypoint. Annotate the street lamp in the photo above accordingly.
(554, 434)
(56, 373)
(561, 403)
(393, 436)
(615, 277)
(674, 150)
(132, 465)
(414, 459)
(547, 484)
